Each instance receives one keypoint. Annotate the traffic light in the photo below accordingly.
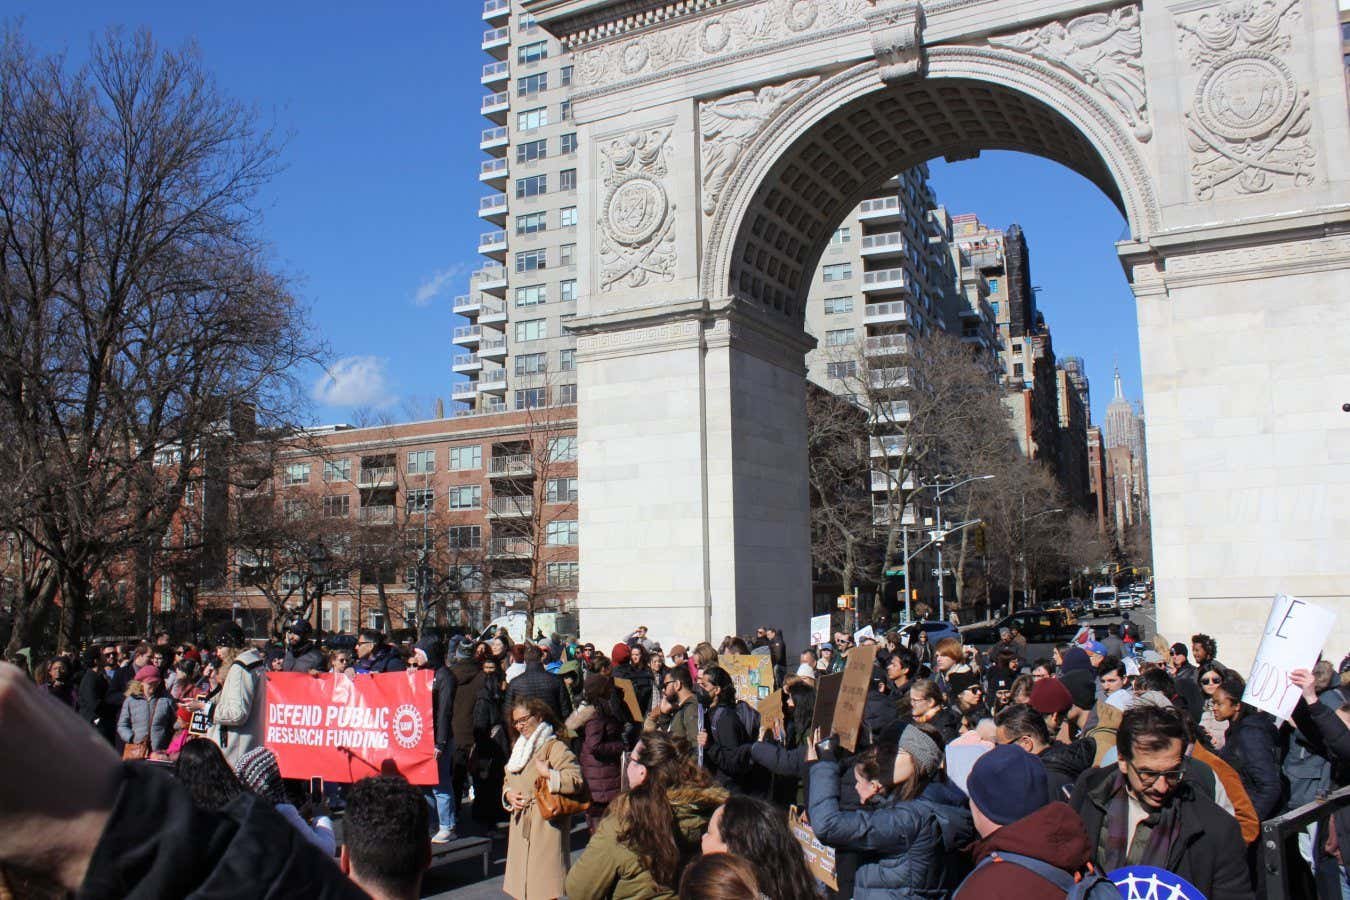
(980, 539)
(845, 601)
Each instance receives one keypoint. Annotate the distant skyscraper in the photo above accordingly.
(1124, 427)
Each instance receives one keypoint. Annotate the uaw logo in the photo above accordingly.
(407, 726)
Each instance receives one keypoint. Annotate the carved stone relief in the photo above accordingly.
(897, 40)
(1103, 49)
(1250, 122)
(728, 127)
(637, 217)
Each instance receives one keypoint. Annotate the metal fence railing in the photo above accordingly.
(1275, 834)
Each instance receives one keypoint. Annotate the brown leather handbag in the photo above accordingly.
(553, 806)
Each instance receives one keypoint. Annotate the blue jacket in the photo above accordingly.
(905, 848)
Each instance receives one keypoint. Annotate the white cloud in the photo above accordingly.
(354, 381)
(439, 283)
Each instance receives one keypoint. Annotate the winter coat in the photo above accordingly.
(382, 659)
(1229, 782)
(683, 723)
(537, 850)
(468, 677)
(1252, 746)
(144, 717)
(609, 870)
(906, 848)
(304, 657)
(1208, 852)
(1330, 737)
(442, 692)
(879, 712)
(535, 682)
(727, 754)
(1052, 834)
(787, 763)
(601, 750)
(1064, 763)
(239, 715)
(643, 684)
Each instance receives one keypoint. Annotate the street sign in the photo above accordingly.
(894, 572)
(942, 571)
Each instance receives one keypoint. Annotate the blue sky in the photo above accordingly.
(374, 213)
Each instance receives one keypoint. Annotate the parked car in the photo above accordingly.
(936, 632)
(1038, 626)
(1075, 605)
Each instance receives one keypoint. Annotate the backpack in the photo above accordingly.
(1087, 885)
(749, 717)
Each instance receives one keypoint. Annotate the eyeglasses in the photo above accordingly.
(521, 720)
(1148, 778)
(1211, 680)
(360, 642)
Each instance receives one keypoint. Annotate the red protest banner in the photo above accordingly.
(345, 729)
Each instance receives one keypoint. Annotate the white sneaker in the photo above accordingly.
(444, 836)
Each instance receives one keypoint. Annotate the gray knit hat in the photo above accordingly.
(922, 748)
(259, 772)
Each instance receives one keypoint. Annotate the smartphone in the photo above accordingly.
(316, 789)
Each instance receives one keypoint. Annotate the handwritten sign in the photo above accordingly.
(848, 709)
(751, 675)
(771, 712)
(827, 693)
(630, 699)
(1293, 637)
(864, 634)
(819, 858)
(820, 630)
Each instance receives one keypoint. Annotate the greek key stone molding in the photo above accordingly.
(637, 216)
(1104, 50)
(729, 126)
(897, 41)
(637, 337)
(1260, 261)
(1249, 124)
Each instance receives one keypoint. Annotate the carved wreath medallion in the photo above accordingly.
(637, 217)
(635, 208)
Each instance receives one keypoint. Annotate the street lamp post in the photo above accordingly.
(941, 534)
(1026, 590)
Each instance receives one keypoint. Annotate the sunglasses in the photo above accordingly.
(1211, 680)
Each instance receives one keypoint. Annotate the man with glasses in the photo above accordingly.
(374, 656)
(1145, 811)
(677, 713)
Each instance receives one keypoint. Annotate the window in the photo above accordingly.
(563, 449)
(567, 360)
(532, 186)
(531, 294)
(531, 84)
(291, 581)
(531, 330)
(421, 462)
(567, 393)
(530, 119)
(994, 306)
(526, 23)
(839, 337)
(466, 537)
(531, 363)
(841, 369)
(297, 473)
(531, 260)
(1017, 370)
(836, 272)
(375, 620)
(531, 397)
(468, 496)
(533, 223)
(337, 507)
(344, 617)
(337, 470)
(165, 594)
(562, 490)
(993, 285)
(567, 290)
(462, 458)
(567, 217)
(465, 577)
(533, 52)
(421, 500)
(190, 494)
(567, 255)
(562, 533)
(836, 305)
(842, 235)
(562, 574)
(567, 143)
(530, 151)
(565, 110)
(565, 76)
(567, 180)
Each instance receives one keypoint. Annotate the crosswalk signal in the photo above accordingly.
(845, 601)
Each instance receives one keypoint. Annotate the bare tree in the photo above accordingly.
(140, 315)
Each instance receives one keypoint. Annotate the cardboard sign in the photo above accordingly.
(864, 634)
(345, 729)
(827, 693)
(751, 675)
(819, 858)
(630, 699)
(771, 711)
(820, 630)
(848, 709)
(1293, 638)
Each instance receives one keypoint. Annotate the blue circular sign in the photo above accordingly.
(1152, 883)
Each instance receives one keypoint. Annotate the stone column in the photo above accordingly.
(694, 513)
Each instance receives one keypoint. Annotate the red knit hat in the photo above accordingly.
(1049, 695)
(620, 654)
(148, 673)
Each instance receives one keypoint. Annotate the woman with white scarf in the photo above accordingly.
(537, 850)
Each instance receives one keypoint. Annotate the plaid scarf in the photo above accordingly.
(1154, 838)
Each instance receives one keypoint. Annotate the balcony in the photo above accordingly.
(880, 209)
(888, 445)
(497, 41)
(492, 171)
(893, 377)
(496, 9)
(895, 411)
(890, 243)
(380, 476)
(518, 466)
(464, 390)
(891, 479)
(494, 140)
(493, 244)
(880, 313)
(496, 106)
(563, 580)
(510, 507)
(881, 515)
(467, 305)
(491, 280)
(375, 515)
(886, 280)
(887, 345)
(509, 548)
(467, 335)
(493, 208)
(496, 71)
(492, 314)
(492, 348)
(466, 362)
(492, 382)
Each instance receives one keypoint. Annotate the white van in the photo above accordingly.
(1105, 598)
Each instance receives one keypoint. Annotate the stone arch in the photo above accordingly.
(823, 153)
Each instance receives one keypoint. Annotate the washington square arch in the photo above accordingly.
(721, 143)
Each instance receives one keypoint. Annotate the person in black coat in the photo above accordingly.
(1329, 736)
(374, 656)
(302, 654)
(1251, 745)
(491, 745)
(535, 682)
(429, 654)
(726, 746)
(96, 701)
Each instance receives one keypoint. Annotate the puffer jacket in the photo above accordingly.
(468, 677)
(1251, 746)
(142, 717)
(609, 869)
(1064, 763)
(906, 849)
(601, 749)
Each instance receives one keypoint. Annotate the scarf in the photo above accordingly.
(523, 751)
(1154, 837)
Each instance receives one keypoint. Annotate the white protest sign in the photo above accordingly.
(820, 630)
(864, 634)
(1293, 638)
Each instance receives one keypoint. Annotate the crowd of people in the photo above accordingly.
(1097, 756)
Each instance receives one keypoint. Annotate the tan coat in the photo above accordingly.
(537, 851)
